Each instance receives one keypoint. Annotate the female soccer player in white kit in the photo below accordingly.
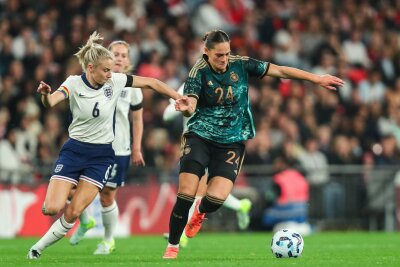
(129, 100)
(87, 157)
(242, 207)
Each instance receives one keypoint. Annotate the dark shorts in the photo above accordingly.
(84, 161)
(199, 154)
(118, 172)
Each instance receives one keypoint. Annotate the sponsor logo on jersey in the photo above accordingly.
(234, 77)
(210, 83)
(58, 168)
(108, 92)
(81, 95)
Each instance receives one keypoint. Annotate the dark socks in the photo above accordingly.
(210, 204)
(179, 217)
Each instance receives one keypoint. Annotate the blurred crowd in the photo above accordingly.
(356, 40)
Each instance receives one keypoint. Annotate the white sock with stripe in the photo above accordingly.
(110, 219)
(57, 231)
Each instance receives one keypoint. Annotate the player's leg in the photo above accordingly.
(225, 163)
(65, 177)
(109, 214)
(193, 162)
(110, 211)
(56, 196)
(242, 208)
(188, 183)
(201, 191)
(86, 222)
(218, 189)
(85, 194)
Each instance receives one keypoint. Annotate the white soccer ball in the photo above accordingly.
(287, 244)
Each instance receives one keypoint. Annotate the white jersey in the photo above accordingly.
(170, 113)
(129, 99)
(92, 109)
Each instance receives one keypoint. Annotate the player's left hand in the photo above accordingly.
(330, 82)
(137, 158)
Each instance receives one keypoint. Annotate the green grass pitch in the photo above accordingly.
(215, 249)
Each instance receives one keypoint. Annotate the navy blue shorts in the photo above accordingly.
(118, 172)
(84, 161)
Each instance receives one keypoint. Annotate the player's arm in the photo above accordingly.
(137, 133)
(48, 99)
(187, 105)
(327, 81)
(157, 85)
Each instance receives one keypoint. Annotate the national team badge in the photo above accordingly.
(108, 92)
(58, 168)
(234, 77)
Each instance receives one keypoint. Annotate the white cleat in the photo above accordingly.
(33, 254)
(105, 248)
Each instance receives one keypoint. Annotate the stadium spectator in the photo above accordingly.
(287, 198)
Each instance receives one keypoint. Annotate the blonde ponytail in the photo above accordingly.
(93, 51)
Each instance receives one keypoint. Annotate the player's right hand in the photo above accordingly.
(44, 88)
(182, 104)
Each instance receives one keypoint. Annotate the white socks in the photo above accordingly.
(232, 203)
(55, 233)
(173, 246)
(110, 219)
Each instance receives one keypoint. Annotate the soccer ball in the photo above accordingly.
(287, 244)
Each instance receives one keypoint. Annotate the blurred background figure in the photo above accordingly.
(288, 199)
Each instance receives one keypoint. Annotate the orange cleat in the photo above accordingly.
(194, 225)
(171, 253)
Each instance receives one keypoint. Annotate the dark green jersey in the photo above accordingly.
(223, 111)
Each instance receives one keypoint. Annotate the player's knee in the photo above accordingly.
(106, 200)
(50, 209)
(73, 211)
(107, 197)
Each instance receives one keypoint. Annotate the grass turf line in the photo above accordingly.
(214, 249)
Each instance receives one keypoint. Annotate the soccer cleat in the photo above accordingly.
(183, 242)
(243, 214)
(194, 225)
(33, 254)
(171, 253)
(105, 248)
(82, 229)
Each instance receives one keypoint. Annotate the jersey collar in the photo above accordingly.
(86, 81)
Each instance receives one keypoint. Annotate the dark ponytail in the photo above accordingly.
(214, 37)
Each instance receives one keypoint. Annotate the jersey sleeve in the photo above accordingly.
(255, 67)
(66, 87)
(193, 84)
(136, 99)
(119, 79)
